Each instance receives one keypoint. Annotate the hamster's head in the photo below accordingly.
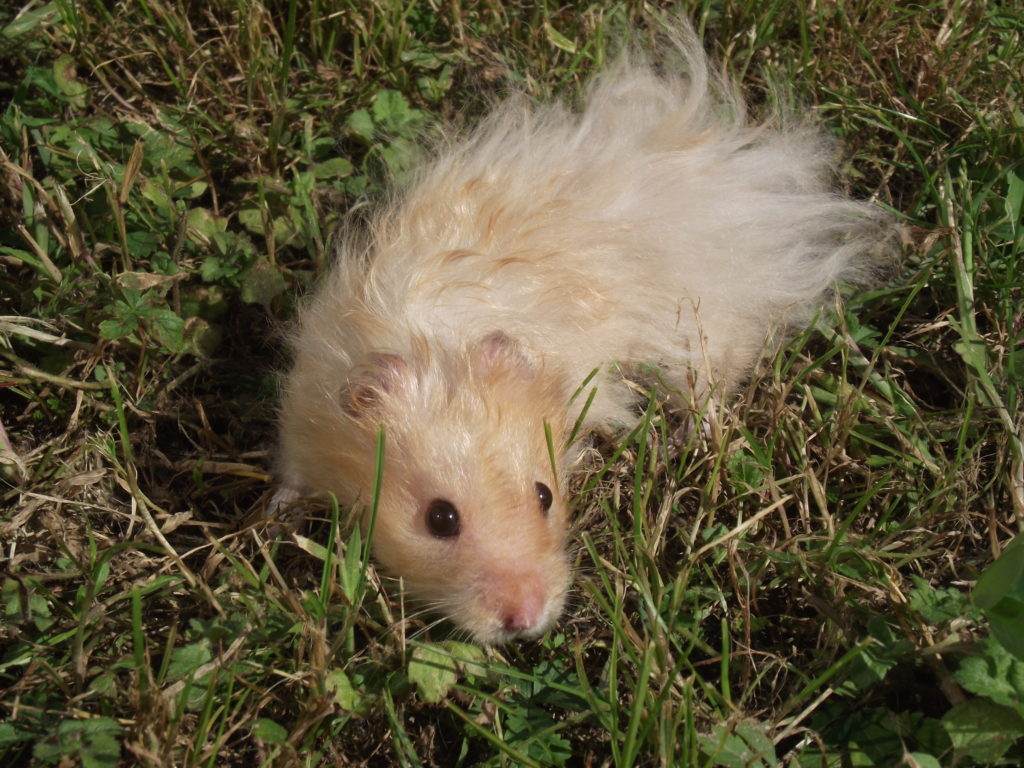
(469, 516)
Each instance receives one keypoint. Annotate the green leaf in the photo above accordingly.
(400, 156)
(982, 730)
(746, 745)
(168, 328)
(202, 224)
(864, 335)
(284, 229)
(1000, 595)
(25, 256)
(423, 58)
(118, 328)
(335, 168)
(187, 659)
(191, 190)
(262, 283)
(469, 659)
(1005, 577)
(155, 192)
(164, 149)
(433, 671)
(28, 21)
(142, 244)
(103, 751)
(252, 219)
(214, 268)
(391, 110)
(435, 87)
(351, 572)
(530, 730)
(345, 694)
(90, 743)
(360, 124)
(64, 75)
(1014, 202)
(269, 731)
(559, 40)
(974, 352)
(937, 606)
(995, 674)
(746, 471)
(356, 186)
(869, 668)
(11, 735)
(877, 736)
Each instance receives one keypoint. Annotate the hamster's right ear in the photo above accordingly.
(497, 351)
(362, 394)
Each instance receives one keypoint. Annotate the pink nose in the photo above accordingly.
(517, 600)
(522, 617)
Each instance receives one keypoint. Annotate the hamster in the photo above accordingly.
(653, 228)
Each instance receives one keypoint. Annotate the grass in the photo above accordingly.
(810, 582)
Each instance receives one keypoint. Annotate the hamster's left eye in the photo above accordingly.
(443, 519)
(544, 497)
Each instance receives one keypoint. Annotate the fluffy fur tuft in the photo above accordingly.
(656, 226)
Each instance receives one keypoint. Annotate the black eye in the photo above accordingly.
(443, 519)
(544, 497)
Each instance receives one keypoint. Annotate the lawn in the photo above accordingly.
(806, 580)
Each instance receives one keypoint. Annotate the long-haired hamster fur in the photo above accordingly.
(653, 228)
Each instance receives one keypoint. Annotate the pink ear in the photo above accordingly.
(383, 372)
(499, 351)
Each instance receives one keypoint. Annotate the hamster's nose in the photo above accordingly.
(518, 600)
(523, 616)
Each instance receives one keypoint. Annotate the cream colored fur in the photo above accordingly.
(654, 227)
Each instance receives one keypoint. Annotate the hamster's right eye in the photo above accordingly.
(544, 497)
(443, 519)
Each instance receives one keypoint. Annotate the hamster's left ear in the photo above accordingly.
(497, 351)
(362, 394)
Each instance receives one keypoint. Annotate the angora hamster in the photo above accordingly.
(654, 228)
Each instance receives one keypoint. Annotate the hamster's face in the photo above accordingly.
(470, 516)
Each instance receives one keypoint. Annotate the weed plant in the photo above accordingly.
(828, 575)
